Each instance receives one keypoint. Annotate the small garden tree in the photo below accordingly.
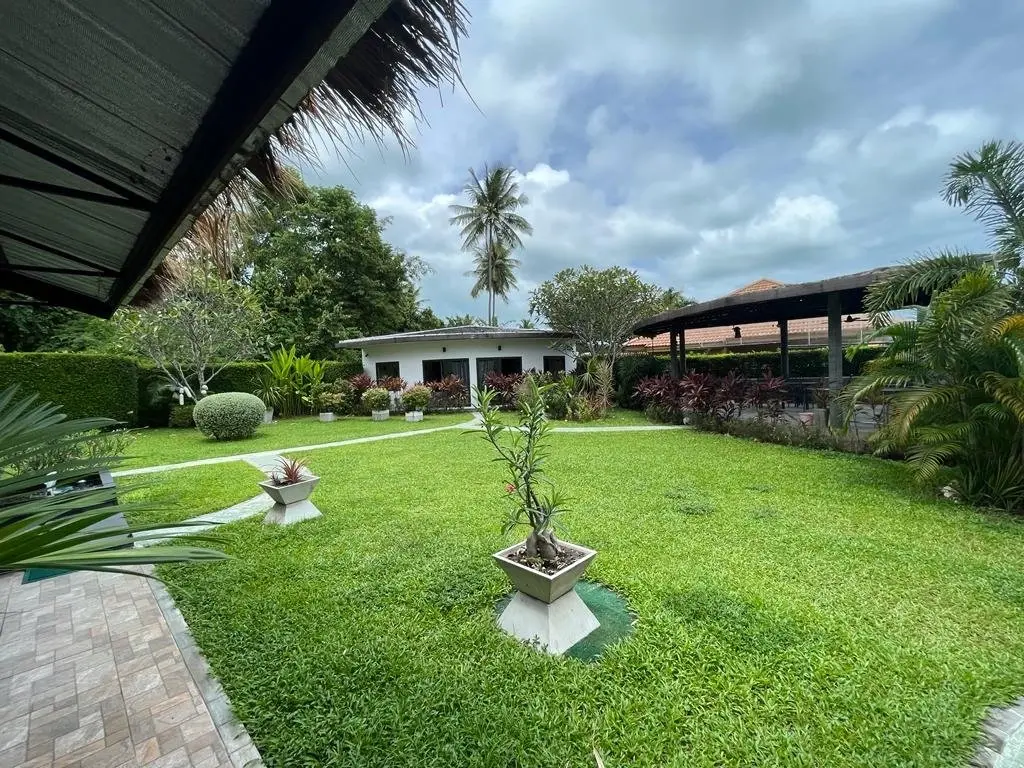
(203, 324)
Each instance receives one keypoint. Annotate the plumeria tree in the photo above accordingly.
(202, 324)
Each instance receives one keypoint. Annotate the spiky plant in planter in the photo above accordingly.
(542, 566)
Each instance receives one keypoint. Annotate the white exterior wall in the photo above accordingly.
(410, 355)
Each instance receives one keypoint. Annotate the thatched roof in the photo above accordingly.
(124, 123)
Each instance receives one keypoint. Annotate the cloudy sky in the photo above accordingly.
(705, 144)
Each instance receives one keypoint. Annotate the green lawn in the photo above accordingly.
(184, 493)
(154, 447)
(794, 608)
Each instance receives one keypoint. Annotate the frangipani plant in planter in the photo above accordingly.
(378, 400)
(544, 569)
(415, 399)
(290, 485)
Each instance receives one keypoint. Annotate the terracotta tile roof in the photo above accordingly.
(804, 332)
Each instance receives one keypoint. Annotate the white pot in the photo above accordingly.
(327, 416)
(414, 416)
(268, 416)
(289, 494)
(806, 418)
(380, 415)
(543, 586)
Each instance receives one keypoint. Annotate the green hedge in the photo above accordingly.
(803, 363)
(85, 385)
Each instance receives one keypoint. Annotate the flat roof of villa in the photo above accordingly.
(456, 333)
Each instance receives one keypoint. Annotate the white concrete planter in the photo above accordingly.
(268, 416)
(542, 586)
(291, 502)
(806, 418)
(289, 494)
(414, 416)
(380, 415)
(820, 417)
(327, 416)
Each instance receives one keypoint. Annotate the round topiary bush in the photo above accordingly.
(229, 415)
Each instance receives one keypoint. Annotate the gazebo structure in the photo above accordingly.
(833, 298)
(123, 119)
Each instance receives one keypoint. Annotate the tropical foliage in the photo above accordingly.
(291, 383)
(491, 228)
(955, 377)
(45, 520)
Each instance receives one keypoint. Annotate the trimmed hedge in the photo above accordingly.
(85, 385)
(229, 415)
(803, 364)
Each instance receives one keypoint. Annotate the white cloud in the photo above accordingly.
(706, 144)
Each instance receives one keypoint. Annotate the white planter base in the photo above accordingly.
(286, 514)
(327, 416)
(552, 627)
(380, 415)
(268, 416)
(414, 416)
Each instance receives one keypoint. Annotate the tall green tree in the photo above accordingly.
(321, 269)
(491, 228)
(957, 374)
(598, 308)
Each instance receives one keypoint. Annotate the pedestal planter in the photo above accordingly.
(380, 415)
(820, 417)
(291, 502)
(546, 611)
(414, 416)
(268, 416)
(542, 586)
(327, 416)
(806, 418)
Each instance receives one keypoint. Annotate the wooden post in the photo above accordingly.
(682, 349)
(835, 356)
(784, 348)
(673, 354)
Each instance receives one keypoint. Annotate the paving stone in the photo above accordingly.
(14, 733)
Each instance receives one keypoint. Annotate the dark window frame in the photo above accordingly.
(551, 369)
(379, 375)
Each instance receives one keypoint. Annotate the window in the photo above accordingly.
(554, 363)
(435, 370)
(384, 370)
(502, 365)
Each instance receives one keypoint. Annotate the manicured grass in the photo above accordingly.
(171, 446)
(794, 608)
(616, 417)
(184, 493)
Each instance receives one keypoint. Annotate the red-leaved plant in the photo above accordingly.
(391, 383)
(360, 383)
(289, 472)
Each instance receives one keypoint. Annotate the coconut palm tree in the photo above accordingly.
(958, 372)
(491, 228)
(495, 272)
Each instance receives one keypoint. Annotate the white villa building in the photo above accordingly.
(467, 351)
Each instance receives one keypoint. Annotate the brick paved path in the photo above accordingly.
(92, 674)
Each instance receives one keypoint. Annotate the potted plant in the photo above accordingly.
(541, 566)
(378, 400)
(415, 399)
(269, 391)
(321, 400)
(290, 485)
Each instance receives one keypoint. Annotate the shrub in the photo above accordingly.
(377, 399)
(360, 383)
(345, 396)
(391, 383)
(85, 385)
(229, 415)
(768, 395)
(416, 398)
(788, 433)
(449, 392)
(505, 388)
(181, 416)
